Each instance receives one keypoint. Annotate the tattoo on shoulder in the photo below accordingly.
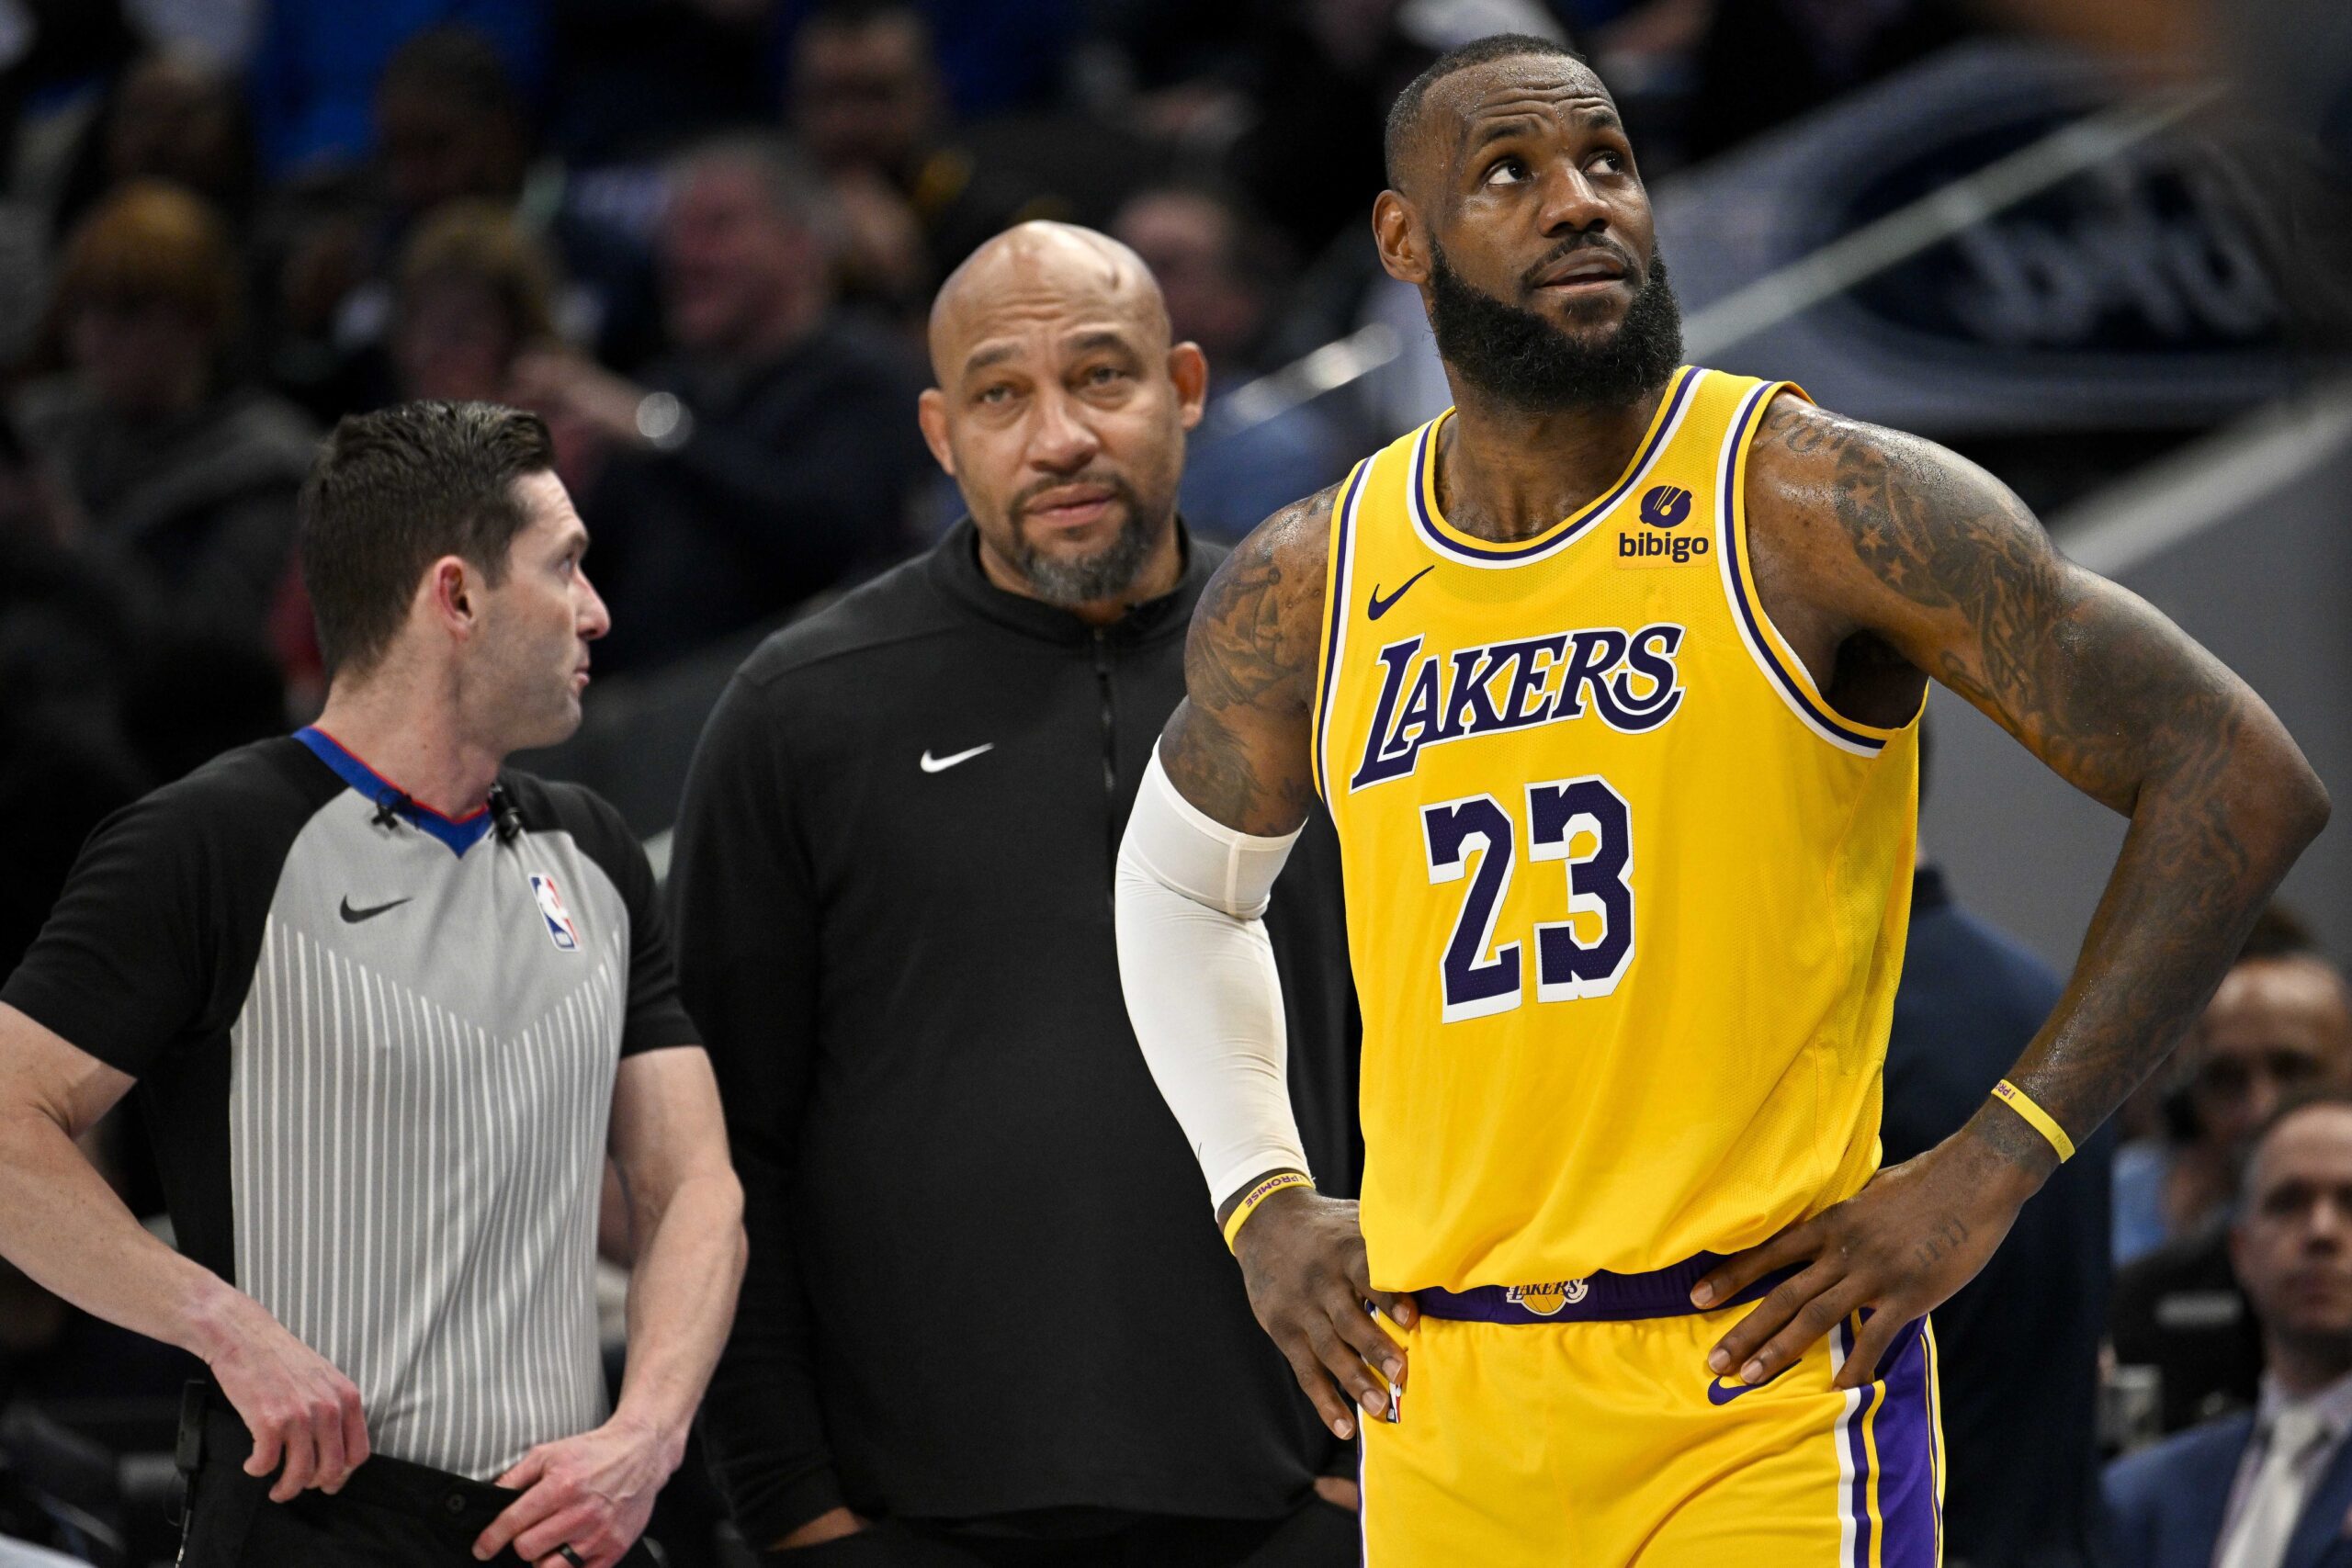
(1237, 745)
(1253, 637)
(2092, 681)
(1932, 529)
(2100, 687)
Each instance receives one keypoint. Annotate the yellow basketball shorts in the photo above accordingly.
(1536, 1428)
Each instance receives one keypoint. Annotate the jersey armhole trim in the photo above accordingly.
(1784, 669)
(1334, 617)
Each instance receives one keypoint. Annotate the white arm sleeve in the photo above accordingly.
(1200, 986)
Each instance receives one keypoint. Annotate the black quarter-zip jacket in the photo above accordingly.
(984, 1277)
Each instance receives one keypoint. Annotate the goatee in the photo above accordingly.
(1521, 358)
(1105, 573)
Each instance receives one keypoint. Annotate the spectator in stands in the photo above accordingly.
(1221, 270)
(475, 290)
(184, 477)
(452, 125)
(2280, 1024)
(316, 69)
(771, 454)
(2017, 1347)
(2271, 1488)
(637, 79)
(170, 117)
(1327, 71)
(1005, 57)
(63, 763)
(867, 101)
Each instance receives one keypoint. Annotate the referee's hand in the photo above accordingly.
(593, 1493)
(304, 1413)
(1303, 1260)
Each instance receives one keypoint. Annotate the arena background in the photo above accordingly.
(2099, 246)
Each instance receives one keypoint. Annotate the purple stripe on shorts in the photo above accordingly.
(1905, 1434)
(1935, 1423)
(1859, 1502)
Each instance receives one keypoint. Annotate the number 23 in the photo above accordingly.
(1557, 813)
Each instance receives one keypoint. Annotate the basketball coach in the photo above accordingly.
(988, 1316)
(390, 1031)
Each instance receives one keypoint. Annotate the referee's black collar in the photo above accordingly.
(955, 566)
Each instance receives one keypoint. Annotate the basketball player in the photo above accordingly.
(1610, 677)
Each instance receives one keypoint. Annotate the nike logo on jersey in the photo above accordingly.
(931, 764)
(1379, 606)
(353, 917)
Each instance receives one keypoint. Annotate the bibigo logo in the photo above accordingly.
(1663, 506)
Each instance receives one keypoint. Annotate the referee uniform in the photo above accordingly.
(986, 1302)
(380, 1047)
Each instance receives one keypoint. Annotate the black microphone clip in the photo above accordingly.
(506, 818)
(388, 806)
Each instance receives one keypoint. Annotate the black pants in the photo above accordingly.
(391, 1514)
(1317, 1536)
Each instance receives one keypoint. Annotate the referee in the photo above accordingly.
(391, 1031)
(987, 1317)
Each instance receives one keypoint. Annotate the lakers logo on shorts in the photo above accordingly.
(1545, 1299)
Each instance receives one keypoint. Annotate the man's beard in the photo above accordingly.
(1521, 358)
(1107, 572)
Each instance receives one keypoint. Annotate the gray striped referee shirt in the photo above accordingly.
(380, 1049)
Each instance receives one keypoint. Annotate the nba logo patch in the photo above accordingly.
(560, 930)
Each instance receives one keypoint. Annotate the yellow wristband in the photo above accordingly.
(1256, 1195)
(2040, 1119)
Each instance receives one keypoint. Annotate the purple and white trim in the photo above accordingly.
(1890, 1493)
(1754, 630)
(1336, 613)
(1457, 546)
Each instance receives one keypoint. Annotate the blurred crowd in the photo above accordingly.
(701, 237)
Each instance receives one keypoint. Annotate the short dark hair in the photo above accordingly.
(455, 61)
(391, 492)
(1405, 112)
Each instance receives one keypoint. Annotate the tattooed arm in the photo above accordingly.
(1237, 751)
(1883, 556)
(1237, 746)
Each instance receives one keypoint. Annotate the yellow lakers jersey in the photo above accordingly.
(1626, 897)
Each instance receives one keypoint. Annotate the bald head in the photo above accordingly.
(1039, 270)
(1061, 409)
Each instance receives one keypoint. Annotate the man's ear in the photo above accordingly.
(451, 591)
(931, 412)
(1396, 230)
(1189, 369)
